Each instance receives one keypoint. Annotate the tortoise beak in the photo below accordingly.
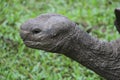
(24, 34)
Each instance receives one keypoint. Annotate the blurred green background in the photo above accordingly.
(17, 62)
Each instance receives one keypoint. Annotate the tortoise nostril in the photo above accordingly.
(36, 31)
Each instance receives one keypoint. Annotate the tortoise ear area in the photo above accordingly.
(57, 32)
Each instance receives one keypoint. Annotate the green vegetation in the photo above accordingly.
(18, 62)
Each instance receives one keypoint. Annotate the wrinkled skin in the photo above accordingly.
(55, 33)
(45, 31)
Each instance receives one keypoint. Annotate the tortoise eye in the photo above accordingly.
(36, 31)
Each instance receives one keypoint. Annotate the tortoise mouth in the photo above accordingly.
(36, 44)
(29, 43)
(33, 44)
(41, 45)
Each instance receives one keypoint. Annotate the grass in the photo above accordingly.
(17, 62)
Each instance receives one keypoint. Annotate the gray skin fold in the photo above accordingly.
(56, 33)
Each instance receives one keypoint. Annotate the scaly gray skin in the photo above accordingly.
(55, 33)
